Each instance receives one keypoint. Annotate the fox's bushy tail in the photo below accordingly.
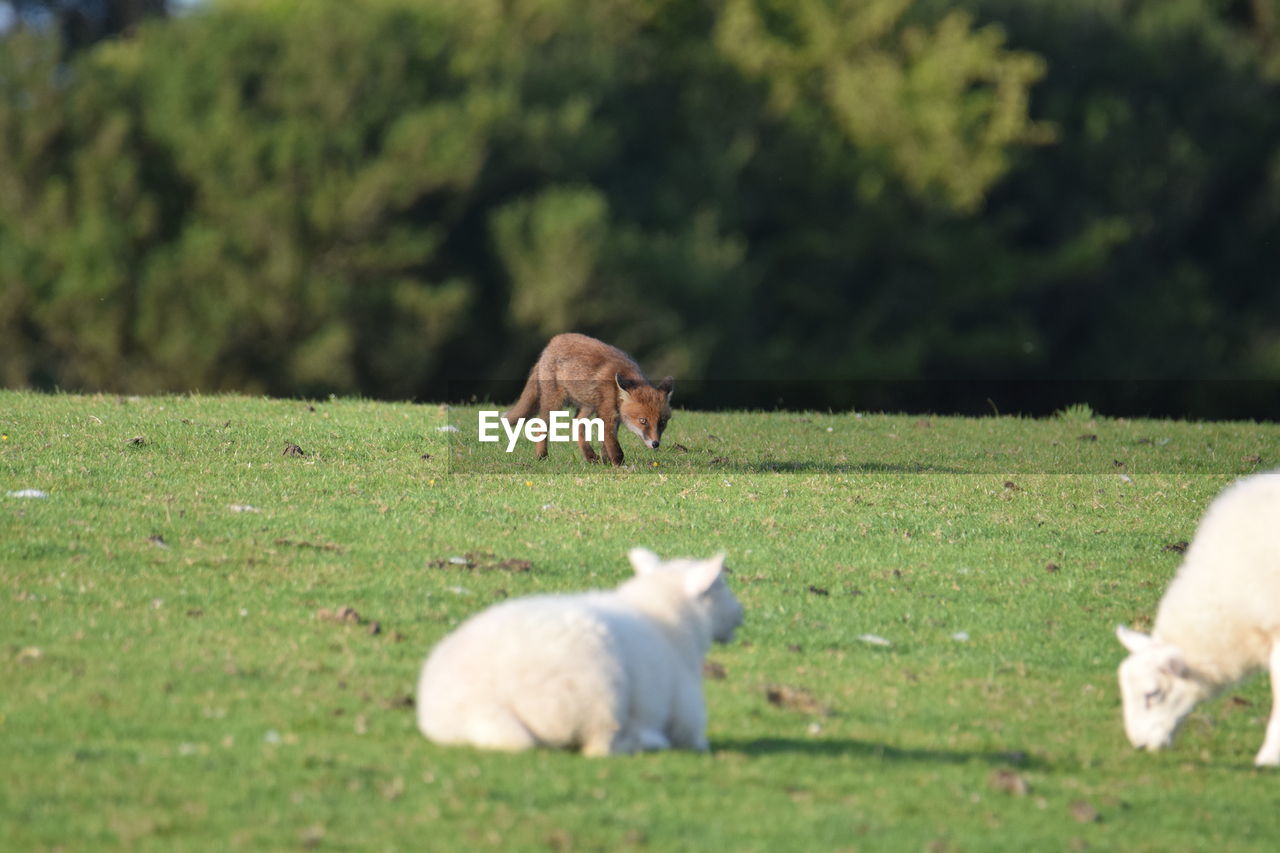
(527, 405)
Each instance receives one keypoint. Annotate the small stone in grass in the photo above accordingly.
(27, 493)
(1009, 781)
(342, 614)
(1084, 812)
(795, 699)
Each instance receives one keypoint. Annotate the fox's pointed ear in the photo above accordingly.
(624, 385)
(667, 386)
(700, 578)
(1134, 641)
(643, 560)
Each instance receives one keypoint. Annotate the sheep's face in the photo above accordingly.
(1156, 688)
(703, 581)
(723, 608)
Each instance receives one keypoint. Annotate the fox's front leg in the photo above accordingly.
(581, 425)
(540, 449)
(612, 450)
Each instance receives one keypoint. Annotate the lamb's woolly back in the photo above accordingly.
(1223, 606)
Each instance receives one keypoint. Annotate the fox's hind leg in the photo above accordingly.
(551, 398)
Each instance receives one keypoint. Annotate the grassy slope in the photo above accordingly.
(183, 691)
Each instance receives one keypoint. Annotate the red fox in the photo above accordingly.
(599, 381)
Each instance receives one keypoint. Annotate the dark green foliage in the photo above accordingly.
(1148, 232)
(388, 197)
(81, 23)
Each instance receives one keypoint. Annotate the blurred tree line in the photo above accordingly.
(393, 197)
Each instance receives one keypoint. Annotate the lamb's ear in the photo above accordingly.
(643, 560)
(1174, 664)
(667, 386)
(699, 579)
(1134, 641)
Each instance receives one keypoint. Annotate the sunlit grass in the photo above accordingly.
(179, 672)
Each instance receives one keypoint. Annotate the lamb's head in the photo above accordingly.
(703, 582)
(1157, 688)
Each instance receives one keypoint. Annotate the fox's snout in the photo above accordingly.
(644, 410)
(649, 433)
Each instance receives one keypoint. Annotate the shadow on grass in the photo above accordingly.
(759, 747)
(681, 468)
(805, 466)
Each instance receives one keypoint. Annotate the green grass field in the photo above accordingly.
(179, 672)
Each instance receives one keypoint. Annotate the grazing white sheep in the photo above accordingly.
(1219, 620)
(606, 672)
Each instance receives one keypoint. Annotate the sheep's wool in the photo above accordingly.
(1222, 609)
(604, 672)
(1218, 622)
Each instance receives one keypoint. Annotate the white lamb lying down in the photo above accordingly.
(1219, 620)
(607, 672)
